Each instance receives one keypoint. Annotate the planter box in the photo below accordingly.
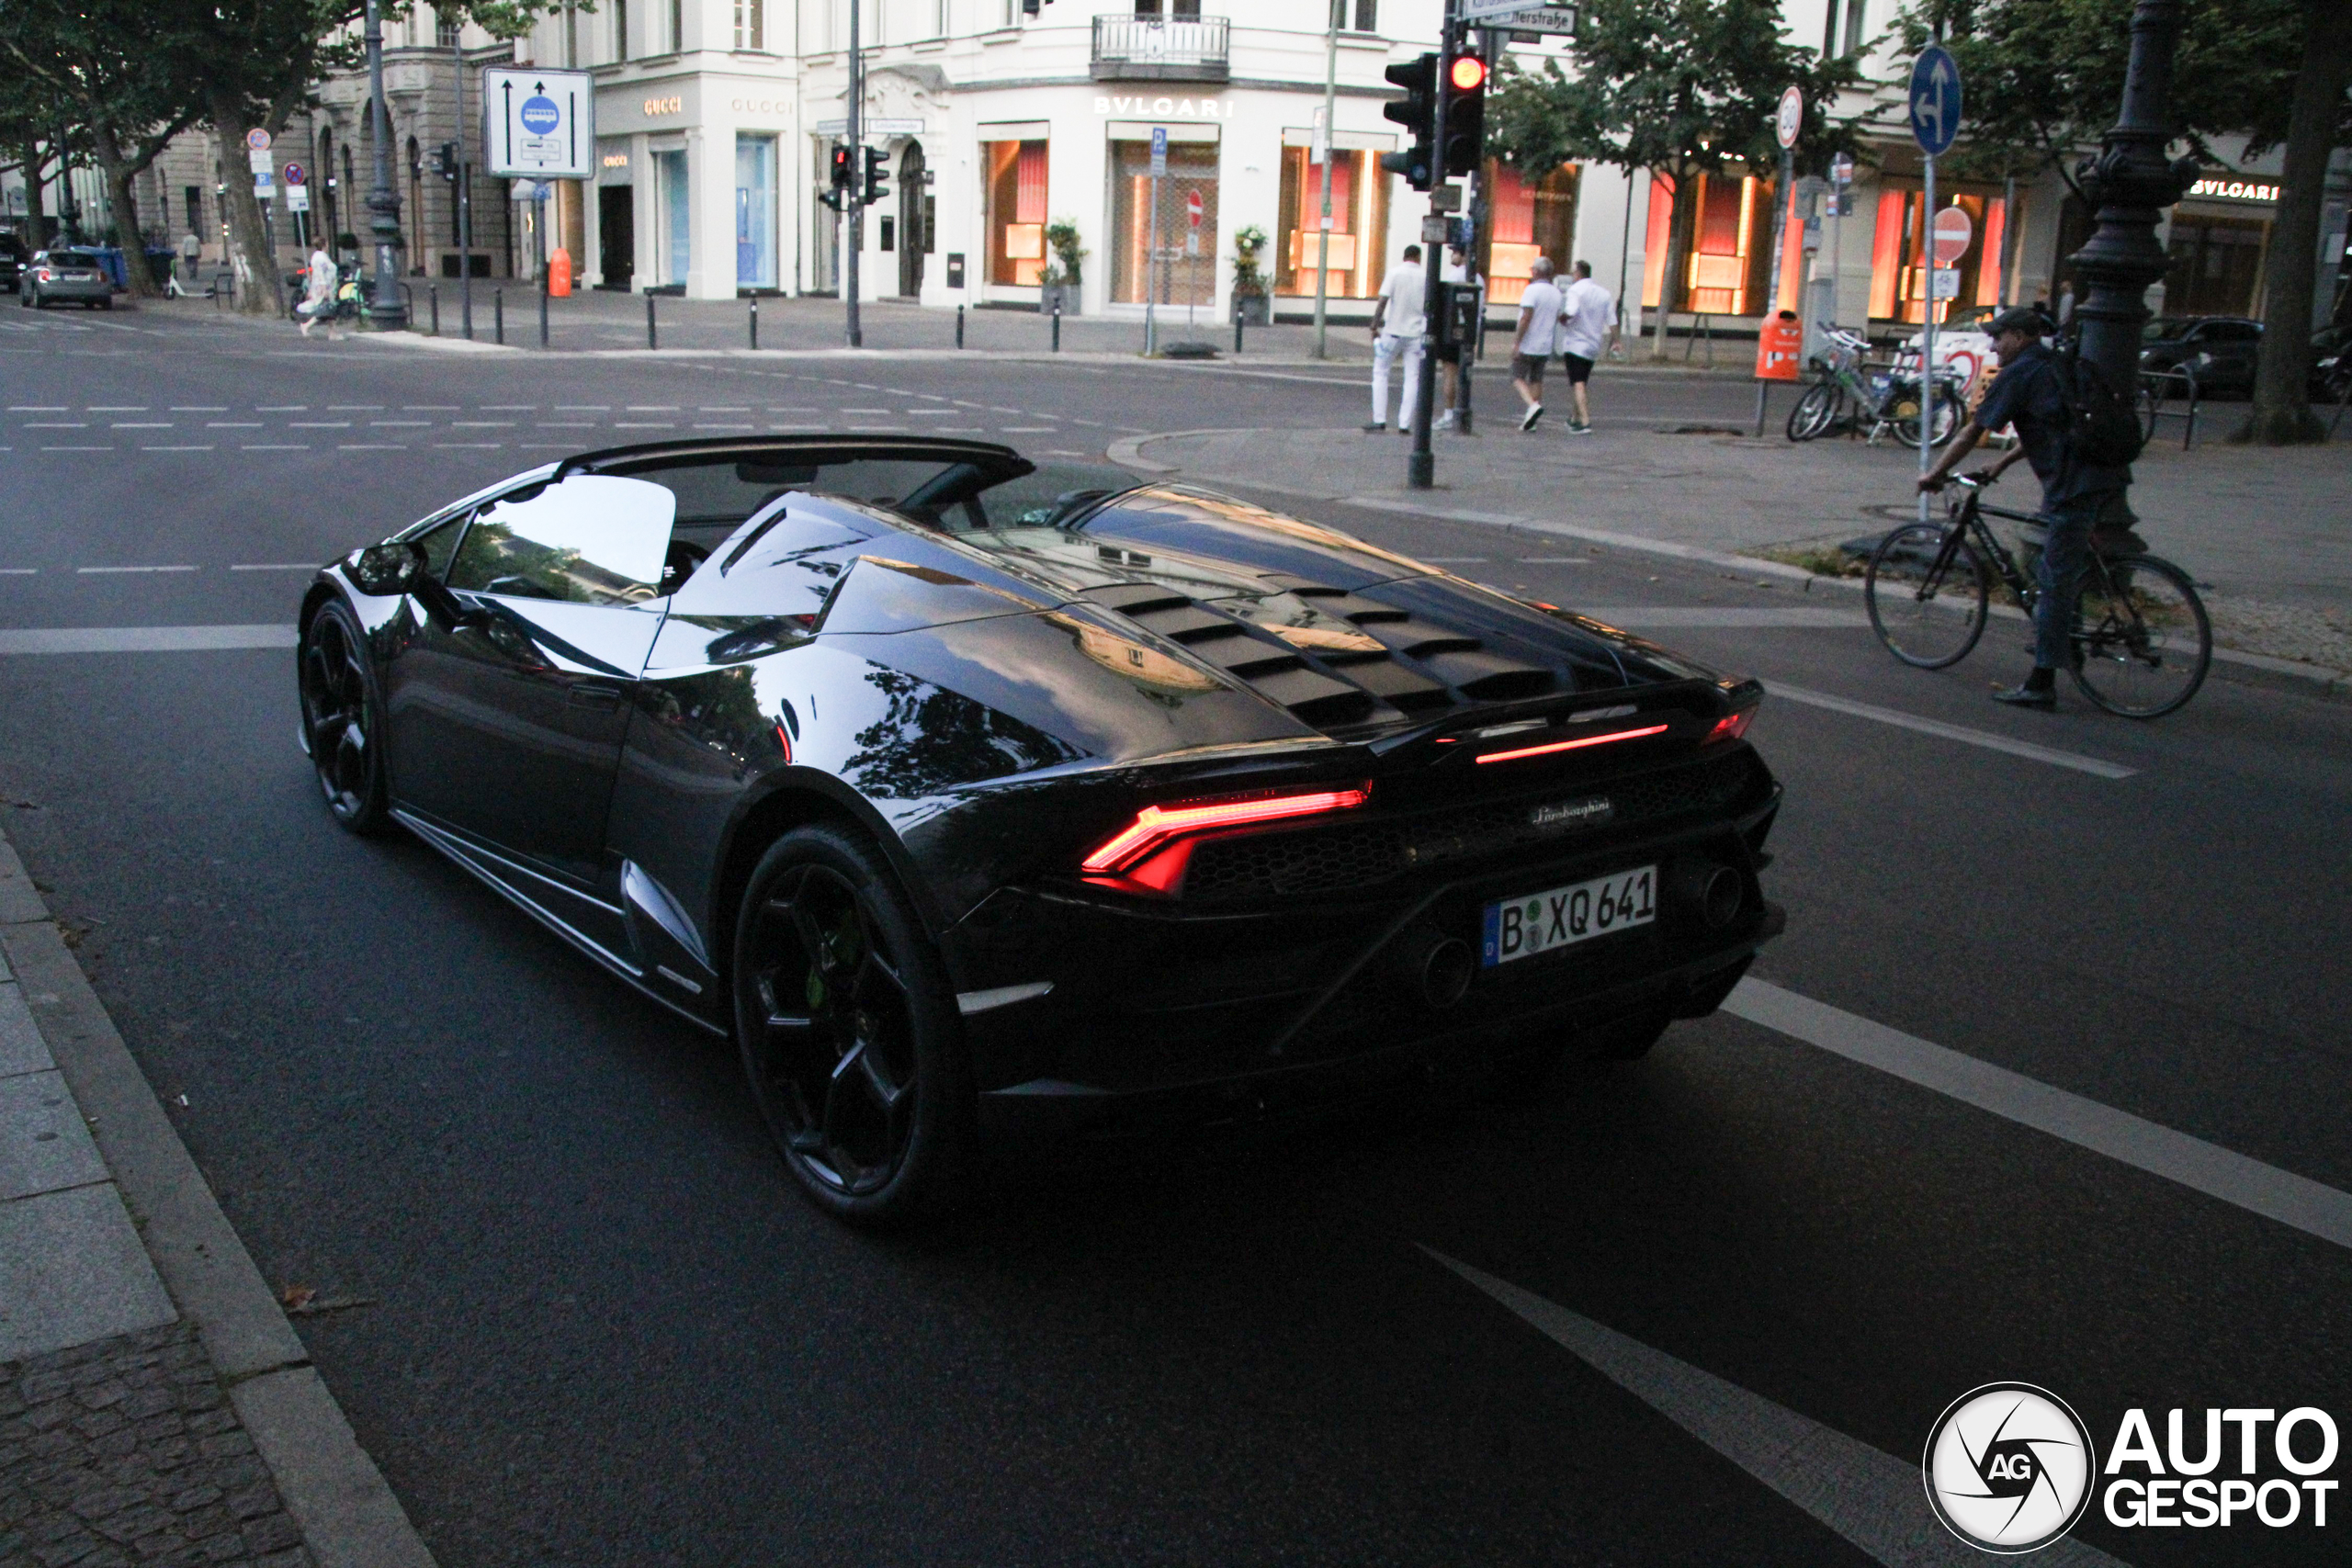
(1252, 310)
(1064, 294)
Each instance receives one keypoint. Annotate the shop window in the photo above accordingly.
(1899, 253)
(1529, 220)
(1359, 224)
(1179, 272)
(751, 24)
(2215, 265)
(1729, 263)
(1016, 211)
(620, 29)
(755, 211)
(1367, 15)
(677, 248)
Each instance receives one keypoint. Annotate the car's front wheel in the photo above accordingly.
(343, 720)
(848, 1031)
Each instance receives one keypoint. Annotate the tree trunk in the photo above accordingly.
(36, 212)
(1679, 225)
(2282, 414)
(260, 292)
(128, 234)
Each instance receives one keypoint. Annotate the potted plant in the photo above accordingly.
(1060, 286)
(1252, 304)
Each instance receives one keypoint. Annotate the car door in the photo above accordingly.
(507, 720)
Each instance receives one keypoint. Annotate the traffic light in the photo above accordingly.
(445, 160)
(845, 170)
(878, 174)
(1465, 115)
(1416, 112)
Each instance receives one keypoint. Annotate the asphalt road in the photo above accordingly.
(605, 1329)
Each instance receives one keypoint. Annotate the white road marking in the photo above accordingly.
(202, 449)
(275, 447)
(400, 424)
(77, 448)
(567, 424)
(727, 427)
(1869, 1496)
(143, 639)
(117, 408)
(724, 408)
(428, 408)
(232, 424)
(355, 408)
(653, 408)
(139, 424)
(279, 566)
(370, 447)
(1961, 733)
(1450, 561)
(1030, 429)
(58, 424)
(19, 571)
(469, 446)
(1723, 616)
(281, 408)
(584, 408)
(318, 424)
(2308, 1206)
(510, 408)
(37, 407)
(105, 570)
(1555, 561)
(481, 425)
(199, 408)
(869, 410)
(929, 414)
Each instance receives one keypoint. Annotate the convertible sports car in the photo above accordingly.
(974, 798)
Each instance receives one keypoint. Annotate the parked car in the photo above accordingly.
(14, 255)
(2332, 365)
(972, 798)
(2218, 350)
(1963, 345)
(74, 274)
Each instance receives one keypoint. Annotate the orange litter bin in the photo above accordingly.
(1780, 347)
(559, 272)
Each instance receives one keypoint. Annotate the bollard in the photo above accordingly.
(755, 321)
(498, 316)
(543, 315)
(432, 295)
(1057, 326)
(1237, 335)
(652, 338)
(959, 326)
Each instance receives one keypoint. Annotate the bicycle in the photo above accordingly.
(1887, 398)
(2141, 640)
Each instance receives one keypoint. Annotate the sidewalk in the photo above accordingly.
(156, 1406)
(2263, 529)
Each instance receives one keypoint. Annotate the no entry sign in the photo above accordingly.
(1953, 232)
(1193, 206)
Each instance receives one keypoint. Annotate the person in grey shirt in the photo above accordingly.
(1539, 333)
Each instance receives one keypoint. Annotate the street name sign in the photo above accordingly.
(1522, 16)
(1953, 232)
(538, 125)
(1934, 100)
(1791, 119)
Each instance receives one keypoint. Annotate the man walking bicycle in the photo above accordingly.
(2028, 394)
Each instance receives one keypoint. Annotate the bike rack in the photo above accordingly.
(2155, 388)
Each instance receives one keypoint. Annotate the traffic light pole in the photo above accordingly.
(1420, 468)
(854, 206)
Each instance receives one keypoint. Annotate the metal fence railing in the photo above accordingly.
(1193, 48)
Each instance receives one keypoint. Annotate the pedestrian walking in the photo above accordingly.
(191, 255)
(1457, 270)
(1587, 319)
(1539, 334)
(317, 292)
(1396, 333)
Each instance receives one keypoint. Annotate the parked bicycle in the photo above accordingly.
(2141, 641)
(1876, 401)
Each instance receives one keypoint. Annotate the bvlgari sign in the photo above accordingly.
(2234, 190)
(1162, 107)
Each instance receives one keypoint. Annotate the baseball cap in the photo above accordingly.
(2021, 319)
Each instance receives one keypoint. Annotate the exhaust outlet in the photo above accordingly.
(1708, 891)
(1437, 966)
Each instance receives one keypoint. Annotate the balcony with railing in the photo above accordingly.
(1152, 47)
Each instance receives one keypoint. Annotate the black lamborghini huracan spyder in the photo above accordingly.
(967, 795)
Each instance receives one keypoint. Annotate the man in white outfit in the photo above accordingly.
(318, 294)
(1588, 318)
(1539, 331)
(1396, 330)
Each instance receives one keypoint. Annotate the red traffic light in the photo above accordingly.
(1469, 71)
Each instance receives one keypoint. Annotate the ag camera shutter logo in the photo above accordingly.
(2009, 1467)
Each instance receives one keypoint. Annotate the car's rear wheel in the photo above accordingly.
(848, 1031)
(343, 720)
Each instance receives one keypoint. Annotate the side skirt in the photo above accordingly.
(509, 880)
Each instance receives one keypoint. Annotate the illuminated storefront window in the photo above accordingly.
(1899, 251)
(2214, 264)
(1184, 270)
(1529, 220)
(1016, 211)
(1359, 223)
(1730, 262)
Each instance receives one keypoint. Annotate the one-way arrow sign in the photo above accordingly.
(537, 124)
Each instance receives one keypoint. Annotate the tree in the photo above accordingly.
(2281, 414)
(1677, 88)
(30, 118)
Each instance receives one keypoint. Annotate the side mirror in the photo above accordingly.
(386, 570)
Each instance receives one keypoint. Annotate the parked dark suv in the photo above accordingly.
(14, 253)
(2218, 350)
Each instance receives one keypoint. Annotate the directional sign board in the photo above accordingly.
(538, 124)
(1953, 232)
(1791, 119)
(1934, 100)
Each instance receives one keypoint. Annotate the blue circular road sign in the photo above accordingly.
(539, 115)
(1934, 100)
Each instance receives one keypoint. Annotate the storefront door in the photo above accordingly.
(616, 235)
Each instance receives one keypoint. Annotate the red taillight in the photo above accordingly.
(1156, 825)
(1578, 744)
(1731, 726)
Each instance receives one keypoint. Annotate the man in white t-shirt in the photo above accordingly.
(1588, 320)
(1538, 330)
(1396, 330)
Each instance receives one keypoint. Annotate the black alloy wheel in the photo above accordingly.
(849, 1035)
(342, 720)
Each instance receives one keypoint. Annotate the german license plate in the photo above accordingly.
(1561, 917)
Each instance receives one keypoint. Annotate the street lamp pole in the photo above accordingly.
(2128, 185)
(1323, 231)
(386, 312)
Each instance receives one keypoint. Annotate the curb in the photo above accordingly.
(348, 1513)
(2229, 663)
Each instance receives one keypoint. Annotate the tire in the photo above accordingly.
(1947, 421)
(1929, 622)
(1815, 412)
(343, 720)
(848, 1031)
(2142, 642)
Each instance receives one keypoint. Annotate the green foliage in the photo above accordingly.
(2045, 77)
(1675, 86)
(1061, 238)
(1249, 245)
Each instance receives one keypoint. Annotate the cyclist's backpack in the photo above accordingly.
(2102, 427)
